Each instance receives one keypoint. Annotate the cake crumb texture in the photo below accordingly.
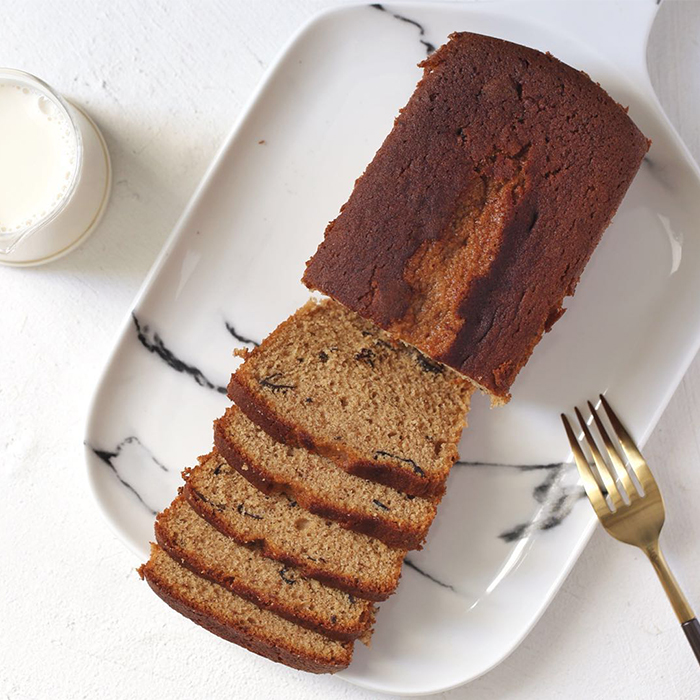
(353, 562)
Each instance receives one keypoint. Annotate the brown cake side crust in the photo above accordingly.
(481, 209)
(232, 618)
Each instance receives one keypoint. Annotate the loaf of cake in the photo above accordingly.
(479, 212)
(238, 620)
(332, 382)
(460, 241)
(353, 562)
(318, 485)
(284, 590)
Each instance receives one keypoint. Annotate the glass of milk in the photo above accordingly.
(55, 172)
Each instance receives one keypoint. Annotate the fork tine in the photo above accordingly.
(605, 475)
(637, 462)
(595, 495)
(618, 464)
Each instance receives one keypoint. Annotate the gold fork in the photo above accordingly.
(629, 514)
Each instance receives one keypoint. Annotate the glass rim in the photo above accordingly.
(9, 239)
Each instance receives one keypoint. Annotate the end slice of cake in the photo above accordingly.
(197, 545)
(330, 381)
(238, 620)
(479, 212)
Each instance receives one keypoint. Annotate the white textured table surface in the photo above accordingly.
(165, 80)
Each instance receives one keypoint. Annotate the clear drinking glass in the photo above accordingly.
(72, 215)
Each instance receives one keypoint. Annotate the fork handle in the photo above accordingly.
(692, 633)
(680, 604)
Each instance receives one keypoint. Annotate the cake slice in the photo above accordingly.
(200, 547)
(355, 563)
(477, 215)
(238, 620)
(320, 486)
(332, 382)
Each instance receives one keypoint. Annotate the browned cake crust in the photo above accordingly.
(480, 210)
(238, 621)
(320, 486)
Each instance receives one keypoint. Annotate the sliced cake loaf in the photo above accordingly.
(199, 546)
(355, 563)
(328, 380)
(480, 210)
(320, 486)
(468, 229)
(238, 620)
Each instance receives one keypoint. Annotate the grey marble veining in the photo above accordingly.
(137, 470)
(153, 342)
(429, 46)
(240, 338)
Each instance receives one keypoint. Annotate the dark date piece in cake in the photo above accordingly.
(479, 212)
